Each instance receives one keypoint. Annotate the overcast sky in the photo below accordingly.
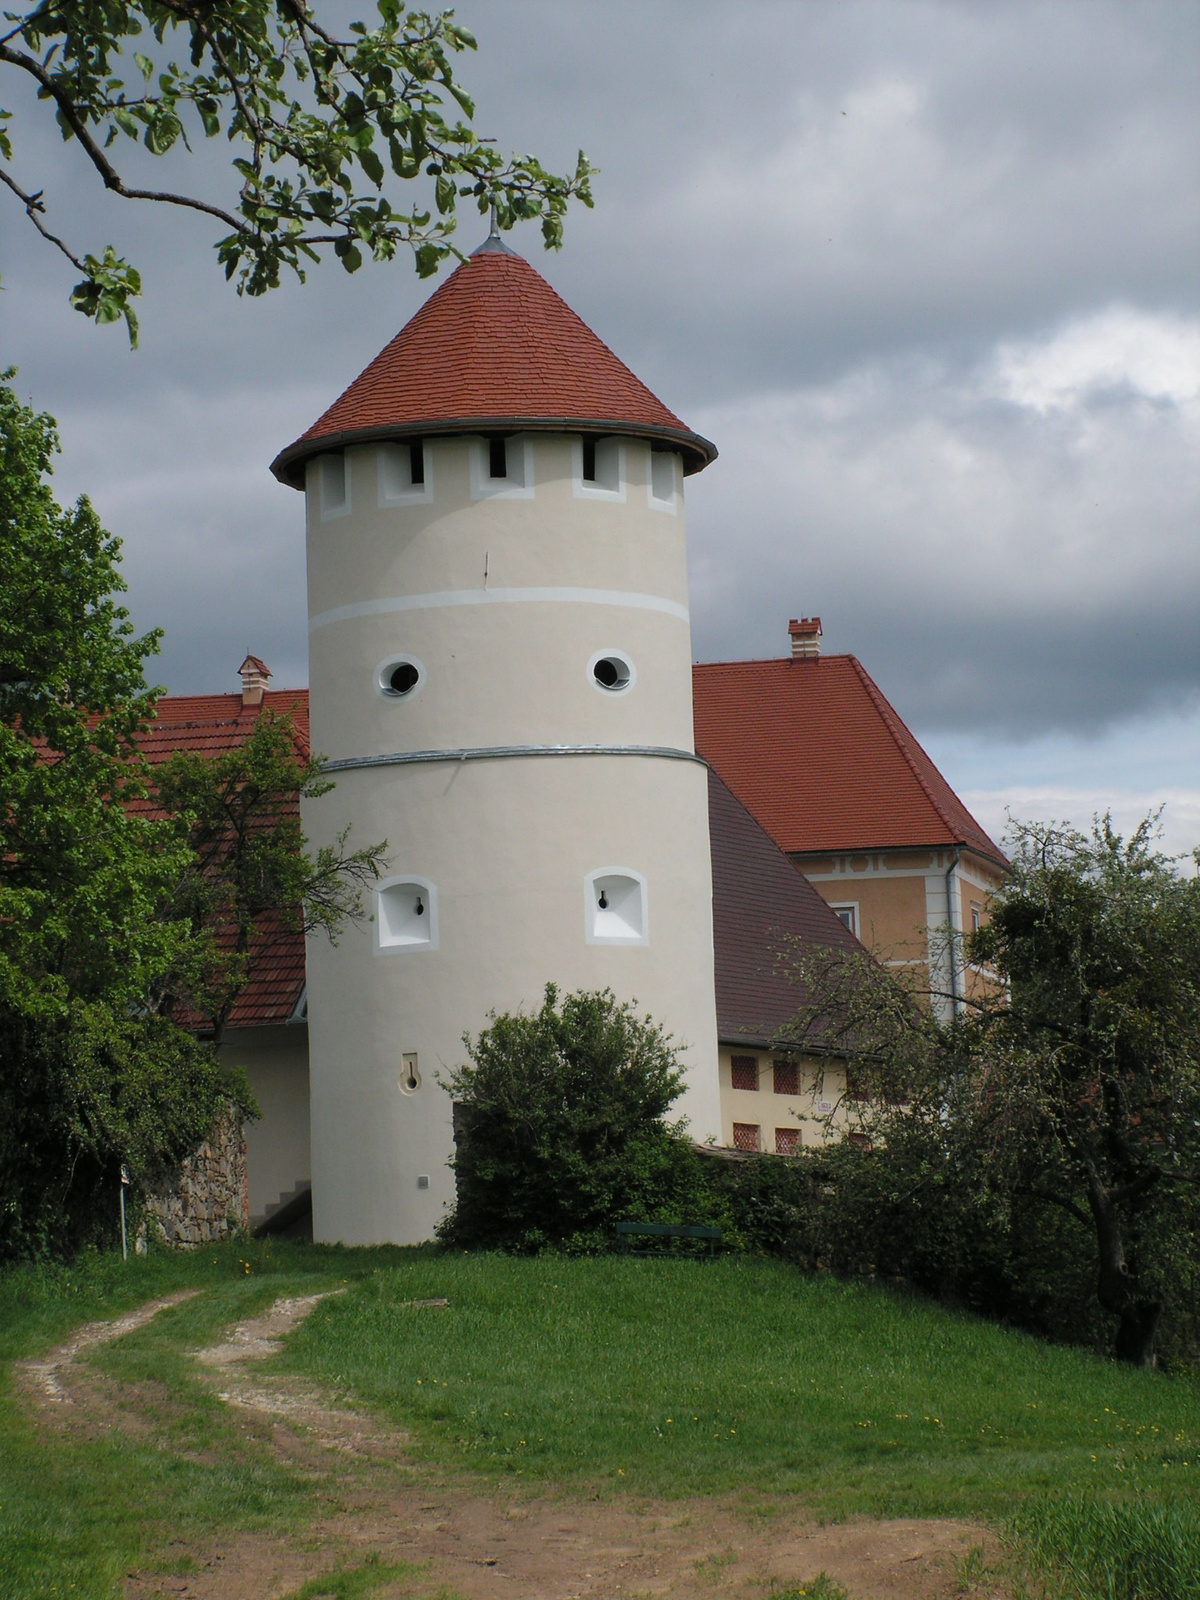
(926, 273)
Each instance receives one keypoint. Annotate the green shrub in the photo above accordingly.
(561, 1130)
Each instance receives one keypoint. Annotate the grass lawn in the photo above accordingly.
(705, 1377)
(617, 1375)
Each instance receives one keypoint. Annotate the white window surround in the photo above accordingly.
(385, 669)
(519, 483)
(332, 475)
(609, 483)
(399, 926)
(624, 919)
(846, 911)
(662, 481)
(617, 688)
(394, 467)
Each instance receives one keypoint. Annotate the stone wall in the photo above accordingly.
(207, 1197)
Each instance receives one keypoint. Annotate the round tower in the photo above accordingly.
(500, 682)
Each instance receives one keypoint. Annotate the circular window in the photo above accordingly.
(611, 671)
(398, 677)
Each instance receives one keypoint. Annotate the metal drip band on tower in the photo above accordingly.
(403, 758)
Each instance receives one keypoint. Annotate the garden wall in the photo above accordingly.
(208, 1196)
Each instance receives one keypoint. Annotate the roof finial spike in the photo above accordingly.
(493, 242)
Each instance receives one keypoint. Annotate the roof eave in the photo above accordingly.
(996, 855)
(288, 466)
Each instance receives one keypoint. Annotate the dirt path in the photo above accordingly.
(49, 1378)
(481, 1545)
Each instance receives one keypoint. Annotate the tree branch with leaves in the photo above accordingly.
(250, 881)
(329, 130)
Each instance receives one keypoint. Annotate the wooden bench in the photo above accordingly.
(628, 1231)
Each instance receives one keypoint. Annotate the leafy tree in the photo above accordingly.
(249, 879)
(560, 1127)
(1073, 1085)
(1093, 1070)
(108, 905)
(326, 130)
(88, 1079)
(83, 872)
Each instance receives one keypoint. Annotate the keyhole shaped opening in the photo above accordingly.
(603, 901)
(419, 908)
(410, 1076)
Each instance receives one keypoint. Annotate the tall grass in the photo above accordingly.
(1114, 1550)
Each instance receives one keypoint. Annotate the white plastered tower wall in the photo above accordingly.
(503, 782)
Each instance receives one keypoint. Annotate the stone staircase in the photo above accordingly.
(291, 1214)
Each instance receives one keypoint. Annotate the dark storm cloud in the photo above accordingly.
(818, 231)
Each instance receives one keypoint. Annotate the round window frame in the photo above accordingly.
(619, 688)
(384, 671)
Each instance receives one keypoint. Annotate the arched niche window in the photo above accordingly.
(615, 910)
(406, 914)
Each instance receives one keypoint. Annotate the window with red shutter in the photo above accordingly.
(746, 1136)
(787, 1077)
(744, 1070)
(787, 1141)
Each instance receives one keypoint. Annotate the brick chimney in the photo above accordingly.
(254, 674)
(806, 638)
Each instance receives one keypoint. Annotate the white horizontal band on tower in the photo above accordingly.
(485, 597)
(499, 752)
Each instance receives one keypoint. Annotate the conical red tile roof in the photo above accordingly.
(494, 348)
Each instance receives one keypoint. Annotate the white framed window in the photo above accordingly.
(599, 468)
(399, 677)
(502, 468)
(662, 489)
(611, 672)
(405, 473)
(332, 474)
(614, 905)
(406, 914)
(847, 911)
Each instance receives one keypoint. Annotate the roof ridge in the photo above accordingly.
(896, 729)
(890, 722)
(767, 661)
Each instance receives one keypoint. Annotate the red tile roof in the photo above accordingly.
(763, 911)
(211, 725)
(494, 347)
(822, 760)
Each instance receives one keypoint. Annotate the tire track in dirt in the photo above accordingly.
(47, 1376)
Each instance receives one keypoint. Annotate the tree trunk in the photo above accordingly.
(1135, 1333)
(1116, 1289)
